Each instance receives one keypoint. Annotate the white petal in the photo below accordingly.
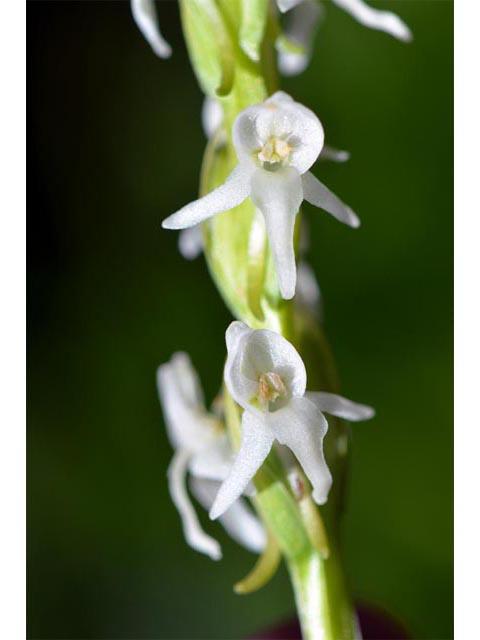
(256, 443)
(212, 116)
(280, 117)
(230, 194)
(252, 353)
(333, 154)
(194, 534)
(214, 461)
(340, 407)
(238, 521)
(190, 242)
(145, 15)
(308, 291)
(286, 5)
(300, 27)
(182, 401)
(319, 195)
(279, 195)
(301, 426)
(376, 19)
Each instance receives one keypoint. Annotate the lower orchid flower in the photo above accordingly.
(266, 376)
(203, 451)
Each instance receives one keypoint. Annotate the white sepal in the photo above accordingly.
(228, 195)
(194, 534)
(145, 15)
(376, 19)
(341, 407)
(316, 193)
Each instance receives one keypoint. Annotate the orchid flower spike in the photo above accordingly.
(266, 376)
(201, 449)
(276, 143)
(145, 15)
(300, 28)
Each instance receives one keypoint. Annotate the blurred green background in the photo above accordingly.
(115, 145)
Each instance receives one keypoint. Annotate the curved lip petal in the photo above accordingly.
(316, 193)
(376, 19)
(279, 196)
(228, 195)
(194, 534)
(339, 406)
(145, 15)
(257, 440)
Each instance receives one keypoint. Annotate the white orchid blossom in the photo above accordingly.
(303, 16)
(190, 241)
(201, 449)
(276, 143)
(266, 376)
(145, 15)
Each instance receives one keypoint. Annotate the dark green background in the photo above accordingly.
(115, 145)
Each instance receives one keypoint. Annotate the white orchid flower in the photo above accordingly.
(266, 376)
(145, 15)
(276, 143)
(190, 241)
(302, 15)
(201, 449)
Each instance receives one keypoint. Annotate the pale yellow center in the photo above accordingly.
(274, 151)
(271, 387)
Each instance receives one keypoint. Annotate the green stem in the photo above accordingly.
(323, 604)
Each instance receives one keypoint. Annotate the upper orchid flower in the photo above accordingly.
(201, 448)
(266, 376)
(276, 143)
